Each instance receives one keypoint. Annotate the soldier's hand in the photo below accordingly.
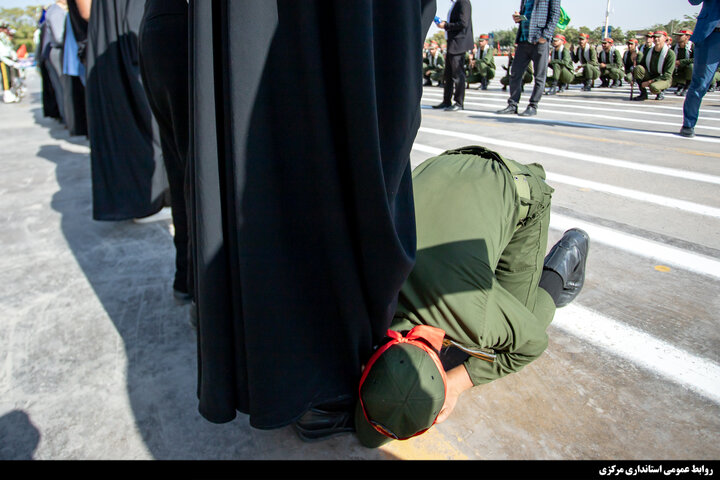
(458, 381)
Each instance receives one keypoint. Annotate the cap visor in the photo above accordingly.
(365, 432)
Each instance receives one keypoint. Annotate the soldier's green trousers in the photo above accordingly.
(436, 74)
(588, 73)
(656, 84)
(527, 77)
(479, 73)
(682, 75)
(560, 75)
(482, 231)
(611, 73)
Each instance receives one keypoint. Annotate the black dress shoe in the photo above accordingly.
(688, 132)
(508, 109)
(660, 96)
(327, 420)
(441, 105)
(454, 107)
(530, 111)
(567, 258)
(643, 96)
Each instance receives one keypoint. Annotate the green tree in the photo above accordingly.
(24, 21)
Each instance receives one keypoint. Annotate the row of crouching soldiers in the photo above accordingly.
(655, 66)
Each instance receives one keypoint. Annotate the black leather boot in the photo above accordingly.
(328, 419)
(567, 258)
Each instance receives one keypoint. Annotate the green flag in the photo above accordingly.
(564, 20)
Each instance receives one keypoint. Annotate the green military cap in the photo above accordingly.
(402, 389)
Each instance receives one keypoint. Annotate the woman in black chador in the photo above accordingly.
(303, 118)
(128, 177)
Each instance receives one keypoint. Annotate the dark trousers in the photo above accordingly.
(163, 44)
(525, 53)
(454, 78)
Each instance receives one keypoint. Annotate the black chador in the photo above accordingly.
(128, 176)
(304, 231)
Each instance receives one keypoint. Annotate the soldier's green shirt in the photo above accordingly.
(685, 55)
(562, 57)
(660, 65)
(611, 58)
(587, 55)
(628, 62)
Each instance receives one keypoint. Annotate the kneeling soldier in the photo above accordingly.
(562, 66)
(684, 58)
(481, 68)
(588, 70)
(611, 67)
(656, 70)
(631, 58)
(477, 304)
(433, 65)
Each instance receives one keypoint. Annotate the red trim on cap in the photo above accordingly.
(418, 337)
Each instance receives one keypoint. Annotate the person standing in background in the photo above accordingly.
(459, 33)
(706, 38)
(163, 53)
(537, 20)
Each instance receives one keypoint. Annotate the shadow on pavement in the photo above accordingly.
(18, 436)
(130, 268)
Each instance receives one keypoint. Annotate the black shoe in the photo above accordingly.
(508, 109)
(586, 87)
(614, 84)
(567, 258)
(327, 420)
(530, 111)
(660, 96)
(553, 90)
(688, 132)
(428, 82)
(604, 84)
(562, 88)
(454, 107)
(504, 88)
(182, 298)
(643, 96)
(683, 91)
(441, 105)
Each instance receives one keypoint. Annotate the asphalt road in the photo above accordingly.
(98, 362)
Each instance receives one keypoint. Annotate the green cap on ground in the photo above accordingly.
(402, 393)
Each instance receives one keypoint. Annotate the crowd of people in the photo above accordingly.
(650, 65)
(13, 63)
(329, 282)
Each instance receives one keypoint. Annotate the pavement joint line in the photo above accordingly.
(605, 117)
(671, 172)
(642, 106)
(614, 190)
(698, 374)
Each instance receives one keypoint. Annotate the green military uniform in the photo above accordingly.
(482, 225)
(434, 67)
(587, 57)
(629, 64)
(613, 69)
(658, 68)
(562, 67)
(683, 71)
(528, 76)
(483, 69)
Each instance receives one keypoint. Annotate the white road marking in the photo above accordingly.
(617, 107)
(655, 251)
(691, 371)
(671, 172)
(604, 117)
(623, 192)
(647, 105)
